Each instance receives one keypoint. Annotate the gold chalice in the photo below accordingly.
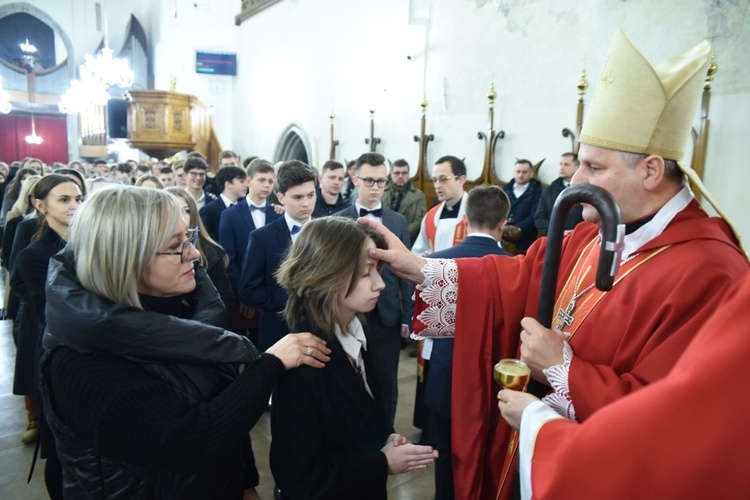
(512, 374)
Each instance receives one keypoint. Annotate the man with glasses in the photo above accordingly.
(390, 319)
(404, 198)
(195, 169)
(443, 226)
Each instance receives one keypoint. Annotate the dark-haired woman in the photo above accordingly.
(56, 199)
(12, 192)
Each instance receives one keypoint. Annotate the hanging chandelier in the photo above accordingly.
(5, 106)
(33, 138)
(97, 74)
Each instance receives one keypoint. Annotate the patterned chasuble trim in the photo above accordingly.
(570, 320)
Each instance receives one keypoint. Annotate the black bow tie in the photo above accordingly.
(256, 207)
(378, 212)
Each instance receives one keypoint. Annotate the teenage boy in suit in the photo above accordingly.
(250, 213)
(266, 247)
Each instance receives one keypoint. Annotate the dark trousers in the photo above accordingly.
(440, 439)
(384, 346)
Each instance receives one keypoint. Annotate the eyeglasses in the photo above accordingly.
(369, 182)
(194, 173)
(442, 179)
(191, 236)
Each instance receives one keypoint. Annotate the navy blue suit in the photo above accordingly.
(235, 226)
(437, 395)
(210, 215)
(258, 287)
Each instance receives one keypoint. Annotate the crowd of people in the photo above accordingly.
(159, 311)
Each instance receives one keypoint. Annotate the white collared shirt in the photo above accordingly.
(518, 190)
(259, 216)
(227, 202)
(290, 223)
(353, 341)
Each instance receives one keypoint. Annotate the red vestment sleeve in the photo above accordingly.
(494, 294)
(684, 436)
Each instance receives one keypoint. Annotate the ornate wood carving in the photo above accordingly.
(372, 140)
(491, 138)
(252, 7)
(700, 138)
(583, 84)
(334, 142)
(422, 178)
(161, 123)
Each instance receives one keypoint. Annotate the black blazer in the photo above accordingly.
(258, 287)
(394, 306)
(210, 215)
(327, 431)
(437, 395)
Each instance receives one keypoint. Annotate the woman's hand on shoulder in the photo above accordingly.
(297, 349)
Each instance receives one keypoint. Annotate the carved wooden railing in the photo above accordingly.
(372, 140)
(252, 7)
(582, 85)
(700, 137)
(421, 179)
(491, 139)
(334, 142)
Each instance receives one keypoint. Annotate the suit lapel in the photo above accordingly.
(342, 373)
(282, 233)
(243, 212)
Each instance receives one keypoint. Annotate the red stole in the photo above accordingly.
(430, 227)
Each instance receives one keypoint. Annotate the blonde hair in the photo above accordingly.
(115, 235)
(325, 262)
(204, 239)
(23, 204)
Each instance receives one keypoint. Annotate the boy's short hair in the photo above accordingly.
(294, 173)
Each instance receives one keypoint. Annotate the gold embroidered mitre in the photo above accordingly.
(640, 108)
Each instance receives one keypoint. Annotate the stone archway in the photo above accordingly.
(292, 146)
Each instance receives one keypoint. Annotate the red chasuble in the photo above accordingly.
(683, 437)
(632, 337)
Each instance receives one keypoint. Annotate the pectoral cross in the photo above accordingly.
(565, 317)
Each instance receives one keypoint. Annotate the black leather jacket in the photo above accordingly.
(191, 354)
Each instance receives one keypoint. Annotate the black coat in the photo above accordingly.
(27, 282)
(327, 431)
(145, 404)
(217, 270)
(210, 215)
(547, 201)
(522, 211)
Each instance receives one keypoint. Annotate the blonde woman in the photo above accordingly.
(331, 438)
(140, 385)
